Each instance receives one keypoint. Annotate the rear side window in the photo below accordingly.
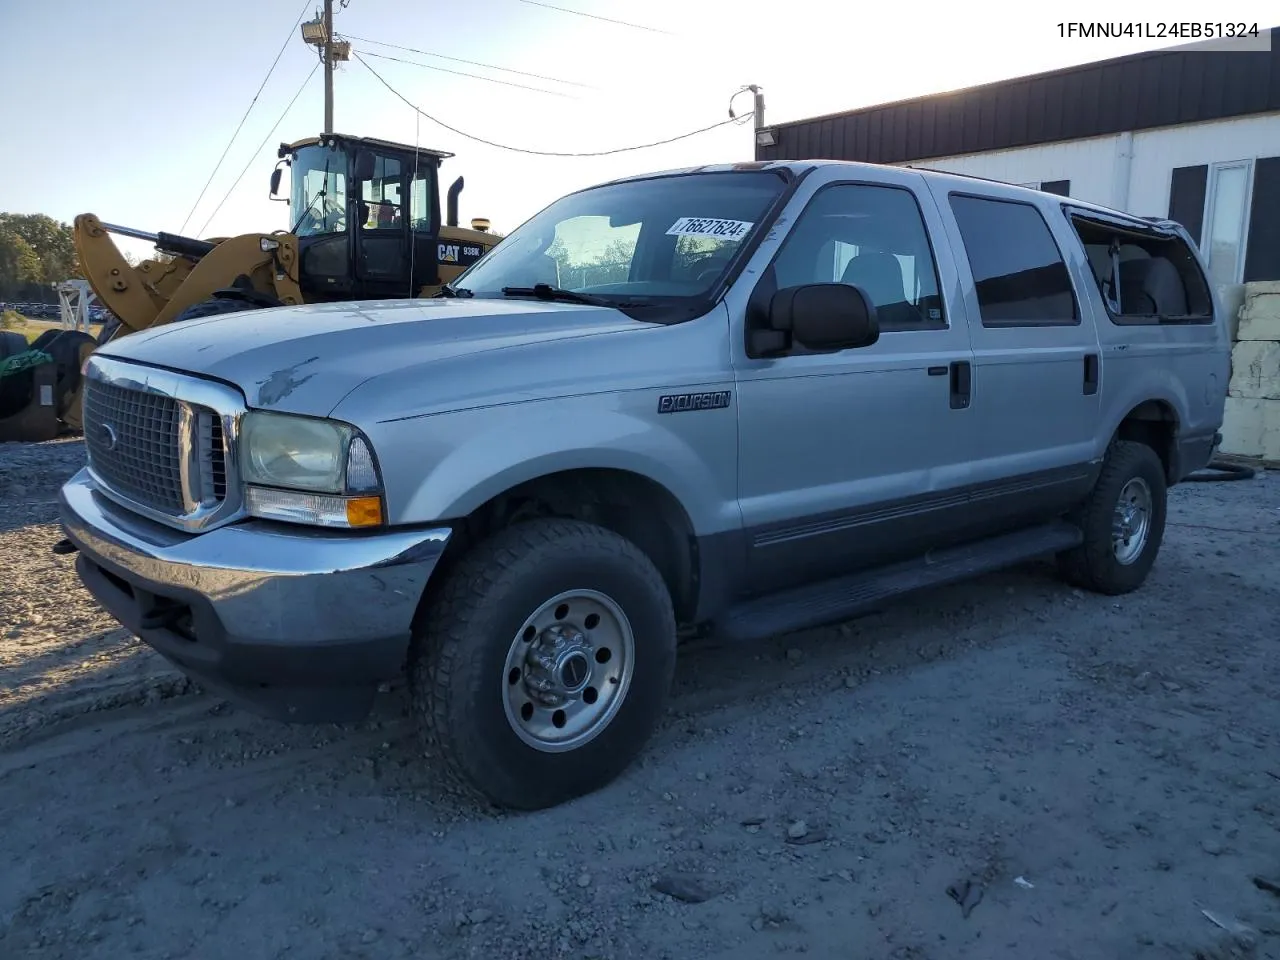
(1021, 278)
(1145, 278)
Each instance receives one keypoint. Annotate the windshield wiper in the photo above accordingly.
(544, 291)
(450, 291)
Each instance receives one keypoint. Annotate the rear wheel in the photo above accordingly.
(544, 662)
(1123, 522)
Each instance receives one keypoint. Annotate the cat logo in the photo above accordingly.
(448, 252)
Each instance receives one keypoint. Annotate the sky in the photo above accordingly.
(123, 108)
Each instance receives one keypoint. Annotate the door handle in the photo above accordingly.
(1091, 370)
(961, 384)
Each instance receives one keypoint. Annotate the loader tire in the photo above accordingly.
(15, 389)
(66, 348)
(213, 307)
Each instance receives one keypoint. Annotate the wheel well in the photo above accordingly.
(631, 505)
(1154, 423)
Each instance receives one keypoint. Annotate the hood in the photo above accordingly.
(305, 359)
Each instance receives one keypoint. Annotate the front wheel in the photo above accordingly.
(544, 662)
(1123, 522)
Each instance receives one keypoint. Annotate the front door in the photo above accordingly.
(858, 457)
(382, 232)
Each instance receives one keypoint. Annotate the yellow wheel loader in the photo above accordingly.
(366, 225)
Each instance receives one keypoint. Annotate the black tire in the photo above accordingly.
(108, 330)
(1220, 471)
(212, 307)
(1094, 565)
(458, 662)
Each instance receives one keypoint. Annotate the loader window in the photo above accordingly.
(381, 196)
(318, 199)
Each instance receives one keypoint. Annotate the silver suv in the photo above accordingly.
(740, 399)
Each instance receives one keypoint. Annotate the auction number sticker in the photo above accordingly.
(709, 227)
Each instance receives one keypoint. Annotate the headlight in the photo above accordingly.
(308, 470)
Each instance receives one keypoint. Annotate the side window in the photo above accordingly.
(1145, 278)
(380, 209)
(872, 236)
(420, 200)
(1021, 278)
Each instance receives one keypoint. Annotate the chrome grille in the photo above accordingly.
(133, 445)
(163, 443)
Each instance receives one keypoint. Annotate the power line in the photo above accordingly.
(541, 153)
(240, 125)
(270, 134)
(579, 13)
(473, 76)
(473, 63)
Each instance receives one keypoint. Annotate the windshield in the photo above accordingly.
(313, 213)
(646, 241)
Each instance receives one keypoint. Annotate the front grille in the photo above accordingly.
(133, 445)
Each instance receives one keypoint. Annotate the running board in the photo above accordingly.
(831, 601)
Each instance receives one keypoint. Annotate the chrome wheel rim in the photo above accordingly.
(568, 670)
(1131, 523)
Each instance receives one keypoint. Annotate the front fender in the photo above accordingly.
(443, 467)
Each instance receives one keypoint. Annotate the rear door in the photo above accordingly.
(1037, 364)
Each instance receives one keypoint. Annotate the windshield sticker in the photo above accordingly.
(709, 227)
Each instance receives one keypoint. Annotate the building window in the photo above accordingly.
(1226, 220)
(1017, 267)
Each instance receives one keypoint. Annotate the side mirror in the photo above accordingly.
(825, 316)
(275, 181)
(363, 166)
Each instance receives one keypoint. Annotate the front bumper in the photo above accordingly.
(293, 622)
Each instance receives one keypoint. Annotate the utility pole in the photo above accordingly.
(758, 96)
(318, 33)
(328, 67)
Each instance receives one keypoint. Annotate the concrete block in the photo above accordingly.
(1255, 370)
(1260, 312)
(1251, 428)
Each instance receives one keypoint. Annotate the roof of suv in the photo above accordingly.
(958, 180)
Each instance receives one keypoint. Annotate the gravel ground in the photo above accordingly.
(1006, 769)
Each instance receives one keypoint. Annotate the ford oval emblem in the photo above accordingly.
(109, 436)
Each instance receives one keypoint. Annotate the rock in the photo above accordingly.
(798, 830)
(584, 880)
(1211, 847)
(479, 915)
(683, 887)
(369, 936)
(1171, 686)
(1142, 680)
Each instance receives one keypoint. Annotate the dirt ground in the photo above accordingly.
(1090, 777)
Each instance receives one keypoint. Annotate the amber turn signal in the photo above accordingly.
(364, 511)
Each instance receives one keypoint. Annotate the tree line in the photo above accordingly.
(35, 251)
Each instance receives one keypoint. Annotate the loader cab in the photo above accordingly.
(367, 216)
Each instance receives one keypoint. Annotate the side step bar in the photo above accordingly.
(829, 602)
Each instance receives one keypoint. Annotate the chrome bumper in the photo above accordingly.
(256, 606)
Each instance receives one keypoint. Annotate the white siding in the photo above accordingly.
(1130, 171)
(1088, 164)
(1157, 152)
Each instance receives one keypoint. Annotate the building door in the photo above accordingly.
(1226, 220)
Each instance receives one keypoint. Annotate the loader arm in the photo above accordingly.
(156, 291)
(135, 295)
